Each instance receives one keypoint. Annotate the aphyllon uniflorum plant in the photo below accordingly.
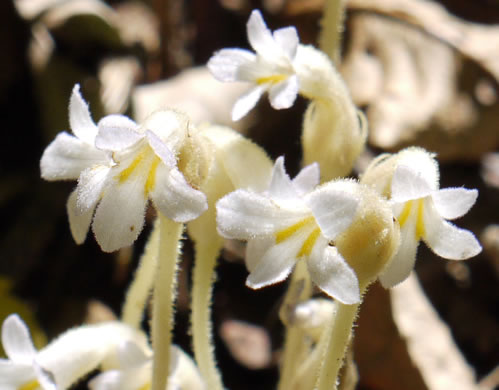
(316, 229)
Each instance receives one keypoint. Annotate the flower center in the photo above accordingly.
(32, 385)
(404, 215)
(148, 162)
(309, 242)
(271, 79)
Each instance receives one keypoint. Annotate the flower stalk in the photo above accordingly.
(164, 298)
(332, 28)
(207, 252)
(140, 288)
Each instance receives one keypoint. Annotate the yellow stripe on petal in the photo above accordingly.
(151, 177)
(288, 232)
(125, 173)
(420, 228)
(147, 386)
(271, 79)
(34, 384)
(309, 243)
(404, 215)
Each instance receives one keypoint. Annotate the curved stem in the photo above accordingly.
(140, 288)
(164, 298)
(332, 28)
(339, 339)
(295, 349)
(206, 255)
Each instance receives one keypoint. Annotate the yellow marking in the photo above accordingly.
(147, 386)
(288, 232)
(271, 79)
(125, 173)
(404, 215)
(151, 177)
(30, 385)
(420, 228)
(306, 248)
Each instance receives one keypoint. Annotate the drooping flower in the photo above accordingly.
(291, 222)
(411, 180)
(269, 69)
(120, 166)
(135, 371)
(21, 369)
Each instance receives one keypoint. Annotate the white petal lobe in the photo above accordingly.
(452, 203)
(307, 179)
(331, 273)
(79, 222)
(116, 132)
(80, 121)
(408, 183)
(16, 340)
(225, 64)
(283, 94)
(287, 39)
(247, 101)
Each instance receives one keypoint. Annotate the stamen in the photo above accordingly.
(271, 79)
(288, 232)
(404, 215)
(32, 385)
(420, 228)
(125, 174)
(309, 243)
(151, 177)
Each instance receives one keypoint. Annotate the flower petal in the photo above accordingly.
(67, 156)
(275, 265)
(80, 121)
(79, 222)
(131, 355)
(247, 101)
(282, 95)
(447, 240)
(452, 203)
(45, 378)
(119, 217)
(16, 340)
(403, 262)
(260, 37)
(307, 179)
(287, 39)
(116, 132)
(161, 149)
(91, 186)
(409, 183)
(331, 273)
(333, 206)
(256, 249)
(245, 215)
(225, 64)
(13, 376)
(281, 188)
(170, 126)
(175, 198)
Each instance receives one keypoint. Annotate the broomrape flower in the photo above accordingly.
(270, 68)
(422, 211)
(119, 166)
(293, 222)
(135, 371)
(22, 369)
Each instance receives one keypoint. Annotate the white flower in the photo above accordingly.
(135, 371)
(62, 362)
(270, 69)
(119, 166)
(22, 369)
(292, 222)
(422, 210)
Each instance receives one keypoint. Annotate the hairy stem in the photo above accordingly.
(332, 29)
(140, 288)
(207, 251)
(164, 299)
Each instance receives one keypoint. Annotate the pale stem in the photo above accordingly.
(140, 288)
(332, 28)
(165, 286)
(340, 333)
(207, 251)
(294, 346)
